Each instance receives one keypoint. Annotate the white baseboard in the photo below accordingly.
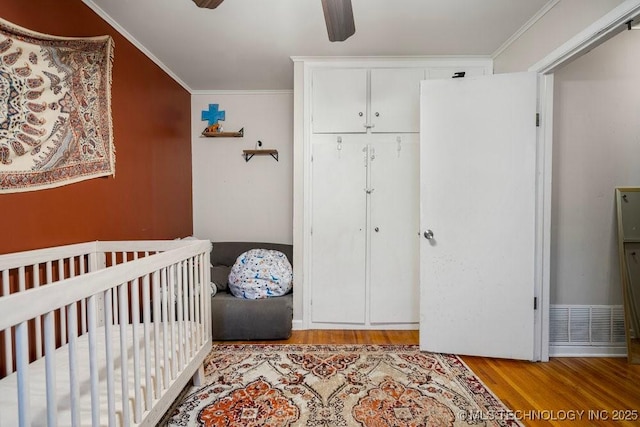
(586, 351)
(297, 325)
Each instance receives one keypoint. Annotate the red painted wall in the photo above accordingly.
(150, 196)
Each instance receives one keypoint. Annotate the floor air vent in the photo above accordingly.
(584, 325)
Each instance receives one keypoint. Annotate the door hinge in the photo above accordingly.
(537, 120)
(535, 303)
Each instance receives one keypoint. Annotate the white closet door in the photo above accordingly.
(478, 215)
(339, 100)
(394, 228)
(338, 240)
(395, 99)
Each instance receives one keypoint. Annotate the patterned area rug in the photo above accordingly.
(55, 109)
(331, 385)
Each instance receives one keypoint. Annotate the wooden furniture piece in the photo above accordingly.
(628, 207)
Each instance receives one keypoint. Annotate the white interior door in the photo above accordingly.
(477, 196)
(338, 239)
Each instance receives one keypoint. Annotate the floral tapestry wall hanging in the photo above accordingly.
(55, 109)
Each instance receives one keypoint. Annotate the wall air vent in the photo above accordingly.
(586, 325)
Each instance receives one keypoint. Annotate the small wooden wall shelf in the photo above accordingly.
(248, 154)
(238, 134)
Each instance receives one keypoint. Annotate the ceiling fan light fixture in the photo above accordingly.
(338, 15)
(208, 4)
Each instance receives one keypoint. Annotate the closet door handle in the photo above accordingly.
(377, 229)
(428, 234)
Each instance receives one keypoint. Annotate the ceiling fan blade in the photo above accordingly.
(209, 4)
(338, 15)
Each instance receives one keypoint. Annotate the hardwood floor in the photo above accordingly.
(562, 392)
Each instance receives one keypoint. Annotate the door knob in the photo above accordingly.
(377, 229)
(428, 234)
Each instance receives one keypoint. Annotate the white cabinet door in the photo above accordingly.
(478, 198)
(338, 240)
(339, 100)
(395, 99)
(394, 230)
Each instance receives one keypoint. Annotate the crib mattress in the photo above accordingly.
(37, 392)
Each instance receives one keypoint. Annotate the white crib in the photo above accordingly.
(101, 333)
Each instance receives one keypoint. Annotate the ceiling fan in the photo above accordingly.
(338, 15)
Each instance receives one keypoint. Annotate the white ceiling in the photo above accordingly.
(247, 44)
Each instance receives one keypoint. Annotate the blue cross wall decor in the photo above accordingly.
(212, 115)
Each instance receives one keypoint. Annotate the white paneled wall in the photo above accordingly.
(235, 200)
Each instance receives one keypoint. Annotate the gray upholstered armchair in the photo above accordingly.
(247, 319)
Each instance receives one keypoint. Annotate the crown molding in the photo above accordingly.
(243, 92)
(591, 37)
(530, 23)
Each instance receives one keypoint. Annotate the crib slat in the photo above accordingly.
(171, 291)
(22, 283)
(135, 308)
(83, 302)
(165, 323)
(157, 318)
(50, 367)
(180, 321)
(22, 368)
(8, 342)
(206, 303)
(114, 291)
(22, 359)
(187, 309)
(192, 299)
(83, 316)
(63, 317)
(147, 342)
(185, 314)
(205, 294)
(196, 303)
(123, 306)
(93, 361)
(38, 331)
(108, 322)
(74, 392)
(114, 307)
